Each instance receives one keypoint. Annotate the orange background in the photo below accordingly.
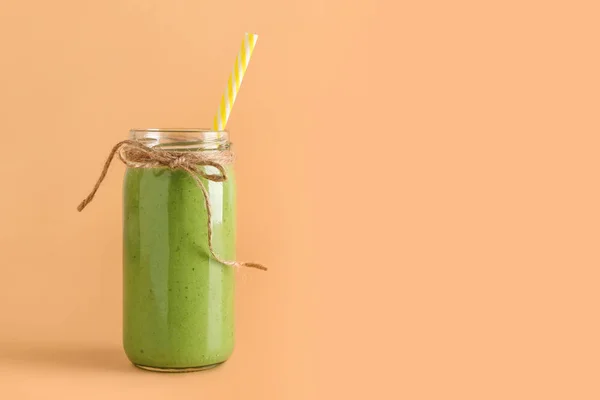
(421, 178)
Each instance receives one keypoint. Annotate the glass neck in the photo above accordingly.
(182, 139)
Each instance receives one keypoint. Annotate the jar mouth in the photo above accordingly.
(181, 138)
(173, 130)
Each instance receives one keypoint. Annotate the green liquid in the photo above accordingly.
(177, 303)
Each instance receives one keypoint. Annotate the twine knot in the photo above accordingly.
(136, 155)
(178, 162)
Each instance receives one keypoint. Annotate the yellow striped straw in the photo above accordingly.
(235, 81)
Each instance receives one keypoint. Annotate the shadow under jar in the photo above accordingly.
(178, 302)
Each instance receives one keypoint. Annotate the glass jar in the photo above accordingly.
(178, 302)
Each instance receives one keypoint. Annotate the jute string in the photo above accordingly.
(136, 155)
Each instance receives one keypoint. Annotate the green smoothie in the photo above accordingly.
(178, 302)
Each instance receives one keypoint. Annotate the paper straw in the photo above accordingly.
(235, 81)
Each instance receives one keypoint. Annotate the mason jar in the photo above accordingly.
(178, 301)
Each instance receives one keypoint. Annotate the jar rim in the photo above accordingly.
(178, 137)
(174, 130)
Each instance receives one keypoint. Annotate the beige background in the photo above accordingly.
(421, 177)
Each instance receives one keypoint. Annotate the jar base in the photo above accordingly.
(176, 370)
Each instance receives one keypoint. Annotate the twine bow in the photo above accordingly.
(136, 155)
